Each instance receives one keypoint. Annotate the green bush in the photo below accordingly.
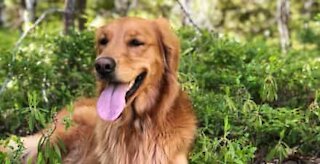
(268, 99)
(55, 68)
(253, 103)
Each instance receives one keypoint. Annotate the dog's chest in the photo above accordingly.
(138, 145)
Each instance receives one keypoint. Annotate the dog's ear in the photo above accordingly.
(169, 45)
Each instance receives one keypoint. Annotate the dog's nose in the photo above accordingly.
(105, 65)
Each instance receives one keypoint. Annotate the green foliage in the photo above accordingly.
(253, 103)
(8, 42)
(266, 98)
(51, 68)
(49, 153)
(249, 98)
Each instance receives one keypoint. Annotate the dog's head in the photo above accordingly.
(133, 56)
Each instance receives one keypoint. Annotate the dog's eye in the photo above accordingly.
(135, 43)
(103, 41)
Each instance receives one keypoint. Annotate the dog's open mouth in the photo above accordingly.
(134, 85)
(112, 100)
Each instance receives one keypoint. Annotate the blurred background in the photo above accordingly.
(241, 19)
(251, 68)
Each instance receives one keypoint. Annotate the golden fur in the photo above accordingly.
(157, 125)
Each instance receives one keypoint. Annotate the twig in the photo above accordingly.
(36, 23)
(45, 136)
(188, 16)
(23, 36)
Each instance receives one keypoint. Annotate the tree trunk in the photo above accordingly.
(69, 7)
(307, 7)
(81, 6)
(31, 9)
(1, 10)
(133, 4)
(122, 7)
(283, 14)
(29, 12)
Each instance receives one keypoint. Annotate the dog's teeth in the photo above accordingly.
(130, 85)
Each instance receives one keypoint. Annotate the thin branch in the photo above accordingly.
(188, 16)
(45, 135)
(36, 23)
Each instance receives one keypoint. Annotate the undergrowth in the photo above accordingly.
(253, 103)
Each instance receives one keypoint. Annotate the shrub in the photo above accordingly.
(253, 103)
(55, 68)
(267, 97)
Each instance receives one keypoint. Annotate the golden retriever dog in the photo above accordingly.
(141, 115)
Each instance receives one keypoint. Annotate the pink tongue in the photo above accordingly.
(112, 101)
